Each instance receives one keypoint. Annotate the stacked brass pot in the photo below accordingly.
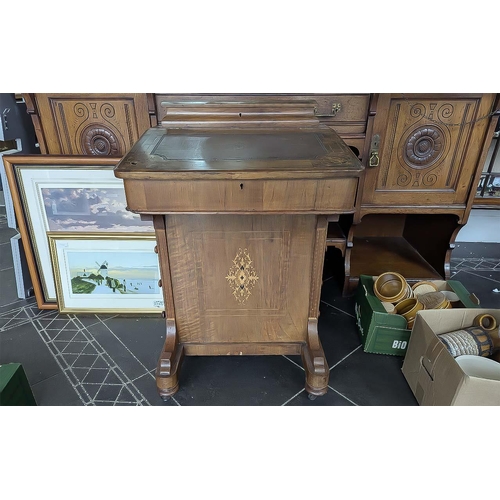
(398, 297)
(391, 287)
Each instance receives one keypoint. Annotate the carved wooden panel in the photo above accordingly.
(429, 151)
(239, 278)
(92, 124)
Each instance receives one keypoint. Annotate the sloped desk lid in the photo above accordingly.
(173, 153)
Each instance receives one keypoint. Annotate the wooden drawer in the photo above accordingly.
(242, 196)
(345, 113)
(343, 107)
(348, 114)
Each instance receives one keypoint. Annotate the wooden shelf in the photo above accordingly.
(418, 246)
(375, 255)
(335, 237)
(484, 202)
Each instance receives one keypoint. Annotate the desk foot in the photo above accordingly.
(317, 373)
(314, 361)
(167, 372)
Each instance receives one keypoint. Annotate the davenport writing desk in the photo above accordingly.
(241, 218)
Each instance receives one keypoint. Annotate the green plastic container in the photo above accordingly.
(384, 333)
(15, 389)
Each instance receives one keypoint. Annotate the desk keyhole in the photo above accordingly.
(241, 186)
(240, 115)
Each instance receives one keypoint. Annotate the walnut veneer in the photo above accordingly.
(241, 217)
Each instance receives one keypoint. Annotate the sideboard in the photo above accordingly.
(422, 153)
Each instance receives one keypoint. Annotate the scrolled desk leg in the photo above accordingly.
(167, 370)
(314, 361)
(313, 356)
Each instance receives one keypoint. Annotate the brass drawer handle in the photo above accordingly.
(336, 107)
(374, 159)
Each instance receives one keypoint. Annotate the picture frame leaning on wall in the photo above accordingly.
(106, 273)
(77, 194)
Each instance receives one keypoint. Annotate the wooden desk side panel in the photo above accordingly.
(206, 252)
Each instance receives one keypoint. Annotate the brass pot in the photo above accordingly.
(390, 287)
(423, 287)
(485, 321)
(409, 308)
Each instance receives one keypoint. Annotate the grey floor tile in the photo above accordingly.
(372, 380)
(8, 307)
(337, 332)
(82, 361)
(6, 233)
(482, 284)
(6, 261)
(9, 287)
(13, 318)
(23, 344)
(144, 337)
(238, 380)
(469, 250)
(118, 351)
(94, 376)
(56, 391)
(331, 293)
(86, 320)
(111, 393)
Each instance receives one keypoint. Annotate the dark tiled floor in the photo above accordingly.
(110, 360)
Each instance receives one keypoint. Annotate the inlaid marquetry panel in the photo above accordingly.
(92, 124)
(429, 148)
(212, 256)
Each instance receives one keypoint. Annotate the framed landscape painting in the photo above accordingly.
(67, 194)
(106, 273)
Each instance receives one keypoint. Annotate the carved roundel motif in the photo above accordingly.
(99, 140)
(424, 147)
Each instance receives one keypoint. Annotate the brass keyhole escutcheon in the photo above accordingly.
(374, 160)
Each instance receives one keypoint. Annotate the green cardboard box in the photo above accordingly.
(384, 333)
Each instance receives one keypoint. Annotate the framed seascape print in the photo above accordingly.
(66, 194)
(106, 273)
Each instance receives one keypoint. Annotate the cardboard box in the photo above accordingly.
(384, 333)
(432, 373)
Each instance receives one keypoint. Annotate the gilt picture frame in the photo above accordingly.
(106, 273)
(67, 194)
